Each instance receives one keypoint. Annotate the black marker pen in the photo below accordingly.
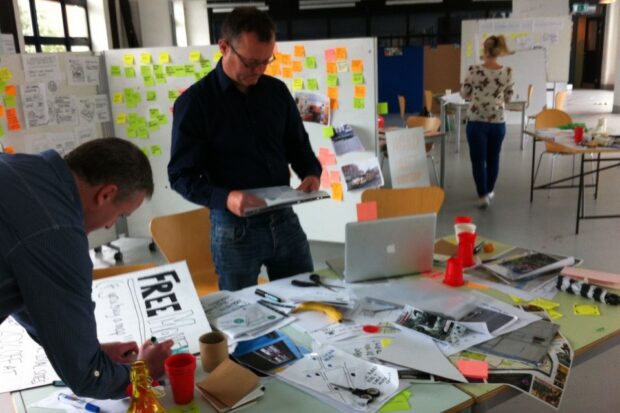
(268, 296)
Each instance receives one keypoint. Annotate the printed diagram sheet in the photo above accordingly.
(329, 372)
(158, 302)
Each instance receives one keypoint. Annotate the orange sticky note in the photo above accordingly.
(332, 67)
(297, 66)
(332, 92)
(367, 211)
(474, 369)
(1, 111)
(10, 90)
(300, 51)
(360, 91)
(334, 176)
(273, 70)
(341, 53)
(333, 104)
(357, 66)
(12, 119)
(337, 191)
(285, 59)
(287, 72)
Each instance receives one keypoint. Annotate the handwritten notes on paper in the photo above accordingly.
(34, 103)
(407, 160)
(83, 71)
(41, 67)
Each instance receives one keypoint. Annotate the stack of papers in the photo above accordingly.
(526, 264)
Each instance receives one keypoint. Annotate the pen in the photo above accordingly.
(153, 339)
(268, 296)
(264, 304)
(75, 401)
(478, 248)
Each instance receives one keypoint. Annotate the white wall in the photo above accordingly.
(610, 46)
(99, 20)
(197, 23)
(154, 22)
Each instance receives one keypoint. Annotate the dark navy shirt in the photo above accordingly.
(224, 140)
(46, 271)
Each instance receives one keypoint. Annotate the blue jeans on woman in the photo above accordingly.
(241, 245)
(485, 143)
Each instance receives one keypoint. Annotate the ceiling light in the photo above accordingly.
(226, 7)
(403, 2)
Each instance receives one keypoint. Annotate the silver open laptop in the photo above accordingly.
(389, 247)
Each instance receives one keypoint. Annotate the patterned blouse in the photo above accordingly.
(488, 90)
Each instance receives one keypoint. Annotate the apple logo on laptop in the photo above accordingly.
(391, 248)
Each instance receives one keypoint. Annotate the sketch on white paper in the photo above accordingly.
(34, 104)
(83, 71)
(41, 67)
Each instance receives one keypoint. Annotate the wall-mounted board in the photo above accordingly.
(144, 83)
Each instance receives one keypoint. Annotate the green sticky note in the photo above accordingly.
(163, 119)
(143, 132)
(153, 112)
(160, 78)
(179, 71)
(132, 118)
(382, 108)
(141, 121)
(358, 78)
(154, 125)
(312, 84)
(9, 101)
(206, 64)
(158, 69)
(189, 69)
(149, 81)
(156, 150)
(203, 73)
(115, 70)
(173, 94)
(145, 151)
(130, 72)
(328, 131)
(145, 70)
(358, 103)
(131, 132)
(298, 84)
(310, 62)
(332, 79)
(1, 131)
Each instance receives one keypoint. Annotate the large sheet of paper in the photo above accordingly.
(407, 158)
(159, 302)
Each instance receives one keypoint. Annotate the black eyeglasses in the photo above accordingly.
(254, 64)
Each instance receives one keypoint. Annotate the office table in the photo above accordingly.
(566, 145)
(585, 334)
(429, 137)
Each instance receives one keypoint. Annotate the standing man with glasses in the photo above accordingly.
(238, 129)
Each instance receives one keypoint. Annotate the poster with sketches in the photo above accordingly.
(63, 110)
(23, 363)
(313, 107)
(86, 109)
(83, 71)
(34, 104)
(407, 158)
(41, 67)
(345, 140)
(159, 302)
(102, 108)
(326, 372)
(363, 174)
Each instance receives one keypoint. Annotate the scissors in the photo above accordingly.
(315, 281)
(368, 394)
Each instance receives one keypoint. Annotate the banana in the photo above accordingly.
(331, 312)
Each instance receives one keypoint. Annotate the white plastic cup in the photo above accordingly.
(464, 227)
(448, 92)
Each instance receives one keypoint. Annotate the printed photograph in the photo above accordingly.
(313, 107)
(518, 380)
(560, 376)
(345, 140)
(546, 392)
(363, 174)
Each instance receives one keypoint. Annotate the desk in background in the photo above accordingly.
(566, 145)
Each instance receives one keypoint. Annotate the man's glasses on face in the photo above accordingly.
(251, 64)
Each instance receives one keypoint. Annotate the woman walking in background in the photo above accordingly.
(489, 86)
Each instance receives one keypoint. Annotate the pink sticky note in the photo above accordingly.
(330, 160)
(323, 151)
(334, 176)
(330, 55)
(325, 180)
(474, 369)
(367, 211)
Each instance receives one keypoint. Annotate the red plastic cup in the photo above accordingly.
(578, 134)
(180, 369)
(466, 248)
(463, 220)
(381, 122)
(454, 272)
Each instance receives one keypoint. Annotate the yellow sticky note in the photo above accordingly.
(298, 84)
(194, 56)
(341, 53)
(331, 67)
(586, 309)
(164, 58)
(312, 84)
(311, 62)
(357, 66)
(145, 58)
(121, 118)
(554, 315)
(544, 303)
(128, 59)
(359, 91)
(332, 92)
(337, 191)
(517, 300)
(386, 342)
(382, 108)
(297, 66)
(328, 131)
(300, 50)
(118, 98)
(469, 49)
(358, 103)
(5, 74)
(217, 55)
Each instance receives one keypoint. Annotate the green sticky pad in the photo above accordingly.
(115, 70)
(382, 108)
(130, 72)
(151, 95)
(357, 78)
(328, 131)
(312, 84)
(310, 62)
(332, 79)
(358, 103)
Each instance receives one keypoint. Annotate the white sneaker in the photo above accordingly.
(484, 202)
(491, 194)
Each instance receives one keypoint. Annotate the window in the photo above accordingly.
(55, 25)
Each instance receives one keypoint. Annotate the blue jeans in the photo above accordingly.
(241, 245)
(485, 143)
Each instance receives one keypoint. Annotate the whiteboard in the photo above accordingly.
(322, 220)
(51, 134)
(540, 8)
(528, 68)
(552, 34)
